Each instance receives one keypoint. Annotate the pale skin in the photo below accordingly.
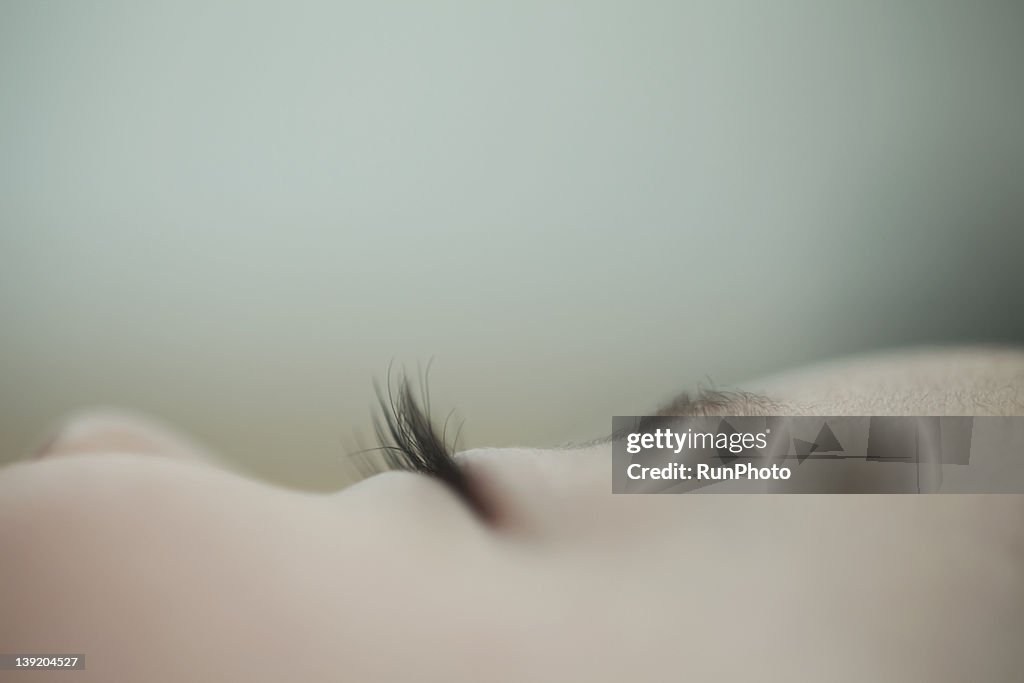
(130, 544)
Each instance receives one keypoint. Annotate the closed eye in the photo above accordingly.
(410, 442)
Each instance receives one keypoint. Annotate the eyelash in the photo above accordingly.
(409, 440)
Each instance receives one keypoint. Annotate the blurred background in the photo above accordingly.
(236, 215)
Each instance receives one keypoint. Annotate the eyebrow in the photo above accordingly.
(706, 403)
(714, 402)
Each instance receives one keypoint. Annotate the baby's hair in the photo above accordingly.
(410, 441)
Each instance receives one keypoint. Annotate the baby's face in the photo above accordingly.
(158, 566)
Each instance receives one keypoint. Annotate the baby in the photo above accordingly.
(131, 546)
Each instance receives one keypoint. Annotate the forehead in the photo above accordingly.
(969, 381)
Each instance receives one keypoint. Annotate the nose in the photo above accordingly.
(113, 431)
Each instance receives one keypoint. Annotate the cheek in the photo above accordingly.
(420, 511)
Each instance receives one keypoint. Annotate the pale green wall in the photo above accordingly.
(235, 214)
